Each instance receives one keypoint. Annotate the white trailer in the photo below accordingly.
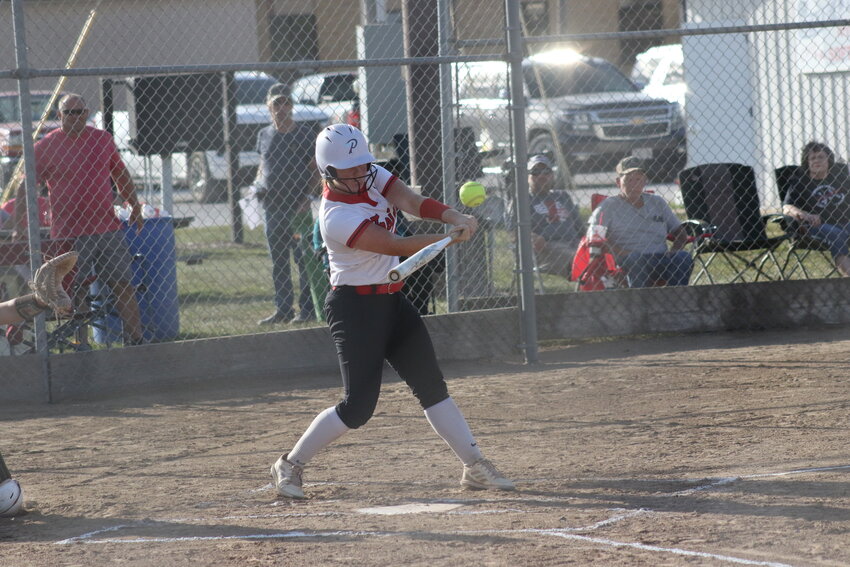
(756, 98)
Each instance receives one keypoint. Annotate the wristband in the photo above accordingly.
(432, 209)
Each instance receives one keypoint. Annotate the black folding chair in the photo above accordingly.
(724, 199)
(801, 244)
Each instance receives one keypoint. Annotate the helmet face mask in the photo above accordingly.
(342, 146)
(364, 182)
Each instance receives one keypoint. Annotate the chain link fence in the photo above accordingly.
(710, 100)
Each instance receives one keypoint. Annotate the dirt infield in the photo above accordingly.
(700, 450)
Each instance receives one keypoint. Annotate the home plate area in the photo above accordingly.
(661, 520)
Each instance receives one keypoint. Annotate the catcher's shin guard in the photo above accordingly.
(28, 306)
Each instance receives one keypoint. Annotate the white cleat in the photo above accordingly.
(287, 478)
(482, 475)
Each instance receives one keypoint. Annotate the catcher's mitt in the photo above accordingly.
(47, 282)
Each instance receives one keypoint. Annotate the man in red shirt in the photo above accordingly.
(77, 163)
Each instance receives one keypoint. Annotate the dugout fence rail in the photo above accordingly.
(447, 91)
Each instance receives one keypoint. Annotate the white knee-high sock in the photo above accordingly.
(326, 428)
(449, 423)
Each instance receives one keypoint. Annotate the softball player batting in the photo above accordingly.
(369, 320)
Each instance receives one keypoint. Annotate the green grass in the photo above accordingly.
(228, 287)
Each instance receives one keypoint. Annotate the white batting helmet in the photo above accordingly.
(11, 498)
(341, 146)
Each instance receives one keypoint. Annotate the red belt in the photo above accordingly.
(374, 289)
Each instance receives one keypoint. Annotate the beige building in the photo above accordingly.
(136, 33)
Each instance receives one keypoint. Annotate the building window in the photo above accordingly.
(294, 38)
(637, 16)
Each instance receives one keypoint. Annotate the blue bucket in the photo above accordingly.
(155, 278)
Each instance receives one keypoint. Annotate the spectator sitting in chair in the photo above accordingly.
(637, 225)
(556, 225)
(818, 198)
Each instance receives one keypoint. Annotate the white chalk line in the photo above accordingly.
(87, 537)
(566, 533)
(714, 483)
(656, 548)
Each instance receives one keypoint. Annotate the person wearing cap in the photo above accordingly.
(556, 224)
(286, 179)
(637, 226)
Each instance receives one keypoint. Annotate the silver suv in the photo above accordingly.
(581, 107)
(334, 93)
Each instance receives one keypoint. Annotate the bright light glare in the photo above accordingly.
(557, 56)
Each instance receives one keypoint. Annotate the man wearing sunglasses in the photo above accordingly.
(79, 164)
(556, 224)
(286, 178)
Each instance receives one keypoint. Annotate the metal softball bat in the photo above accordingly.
(413, 263)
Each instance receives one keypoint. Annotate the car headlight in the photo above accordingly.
(578, 121)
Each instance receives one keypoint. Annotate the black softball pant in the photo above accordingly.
(368, 329)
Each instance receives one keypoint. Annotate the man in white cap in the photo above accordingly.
(637, 225)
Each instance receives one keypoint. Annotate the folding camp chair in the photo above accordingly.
(723, 198)
(97, 313)
(59, 330)
(801, 244)
(594, 267)
(62, 331)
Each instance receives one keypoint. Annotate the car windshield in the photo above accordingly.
(10, 110)
(584, 77)
(253, 91)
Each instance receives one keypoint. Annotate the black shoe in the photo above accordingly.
(275, 318)
(303, 318)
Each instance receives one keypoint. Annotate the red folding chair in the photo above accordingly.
(594, 266)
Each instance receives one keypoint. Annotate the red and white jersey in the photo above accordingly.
(342, 220)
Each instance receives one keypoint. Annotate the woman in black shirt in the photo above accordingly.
(819, 199)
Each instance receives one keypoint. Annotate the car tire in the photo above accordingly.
(204, 188)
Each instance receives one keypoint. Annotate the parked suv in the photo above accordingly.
(11, 137)
(582, 106)
(336, 94)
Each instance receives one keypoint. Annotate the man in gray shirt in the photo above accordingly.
(636, 228)
(285, 178)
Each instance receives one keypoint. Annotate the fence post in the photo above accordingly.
(526, 274)
(228, 89)
(444, 32)
(33, 221)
